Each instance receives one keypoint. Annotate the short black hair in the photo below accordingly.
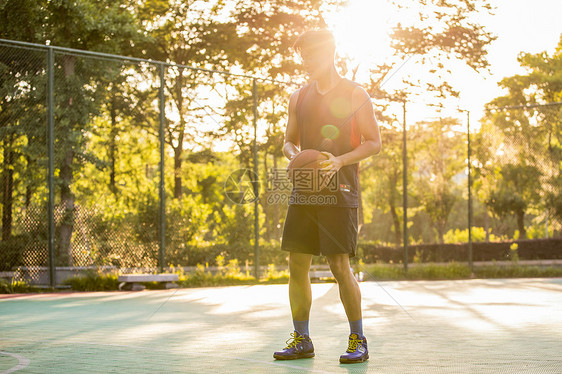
(319, 40)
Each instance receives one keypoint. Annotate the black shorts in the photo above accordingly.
(320, 230)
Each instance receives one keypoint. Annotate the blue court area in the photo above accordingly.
(470, 326)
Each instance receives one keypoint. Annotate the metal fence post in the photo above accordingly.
(162, 192)
(51, 161)
(256, 183)
(469, 193)
(405, 193)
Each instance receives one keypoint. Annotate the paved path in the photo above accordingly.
(469, 326)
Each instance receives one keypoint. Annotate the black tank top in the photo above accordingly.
(326, 123)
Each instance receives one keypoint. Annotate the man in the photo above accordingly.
(333, 115)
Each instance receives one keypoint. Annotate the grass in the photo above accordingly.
(420, 272)
(230, 274)
(517, 271)
(455, 270)
(227, 275)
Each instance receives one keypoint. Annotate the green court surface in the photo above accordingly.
(469, 326)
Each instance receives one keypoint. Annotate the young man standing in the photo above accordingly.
(335, 116)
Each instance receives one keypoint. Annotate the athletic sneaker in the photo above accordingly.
(356, 351)
(298, 346)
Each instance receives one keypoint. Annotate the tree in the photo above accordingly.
(444, 33)
(381, 182)
(80, 25)
(439, 157)
(21, 97)
(516, 190)
(527, 151)
(188, 33)
(264, 33)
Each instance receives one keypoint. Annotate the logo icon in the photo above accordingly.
(242, 186)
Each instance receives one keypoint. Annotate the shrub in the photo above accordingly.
(11, 252)
(202, 277)
(482, 251)
(93, 281)
(14, 287)
(272, 275)
(517, 271)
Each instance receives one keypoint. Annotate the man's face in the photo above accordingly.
(316, 62)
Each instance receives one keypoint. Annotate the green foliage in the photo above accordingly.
(381, 189)
(517, 271)
(383, 272)
(93, 281)
(11, 252)
(437, 143)
(455, 270)
(22, 248)
(537, 231)
(451, 270)
(229, 275)
(513, 254)
(107, 135)
(478, 234)
(15, 287)
(522, 159)
(272, 275)
(519, 188)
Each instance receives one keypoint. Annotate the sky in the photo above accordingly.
(520, 26)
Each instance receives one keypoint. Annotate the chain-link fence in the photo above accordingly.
(119, 163)
(96, 171)
(23, 86)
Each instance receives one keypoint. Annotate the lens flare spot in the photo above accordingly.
(330, 132)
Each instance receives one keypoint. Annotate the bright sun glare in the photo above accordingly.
(362, 30)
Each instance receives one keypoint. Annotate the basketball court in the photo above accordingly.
(468, 326)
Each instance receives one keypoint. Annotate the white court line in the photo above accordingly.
(23, 362)
(152, 349)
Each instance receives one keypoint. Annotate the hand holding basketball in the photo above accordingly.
(332, 164)
(306, 162)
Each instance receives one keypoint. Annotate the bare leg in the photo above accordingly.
(350, 293)
(300, 294)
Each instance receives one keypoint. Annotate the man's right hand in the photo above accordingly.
(290, 150)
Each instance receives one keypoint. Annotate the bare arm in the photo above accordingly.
(368, 128)
(291, 146)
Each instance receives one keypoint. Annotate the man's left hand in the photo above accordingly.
(332, 164)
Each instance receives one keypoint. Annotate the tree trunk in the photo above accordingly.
(487, 225)
(393, 181)
(177, 172)
(67, 203)
(66, 177)
(396, 222)
(521, 225)
(8, 189)
(112, 147)
(178, 150)
(28, 189)
(441, 234)
(266, 208)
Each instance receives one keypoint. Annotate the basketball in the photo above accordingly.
(303, 168)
